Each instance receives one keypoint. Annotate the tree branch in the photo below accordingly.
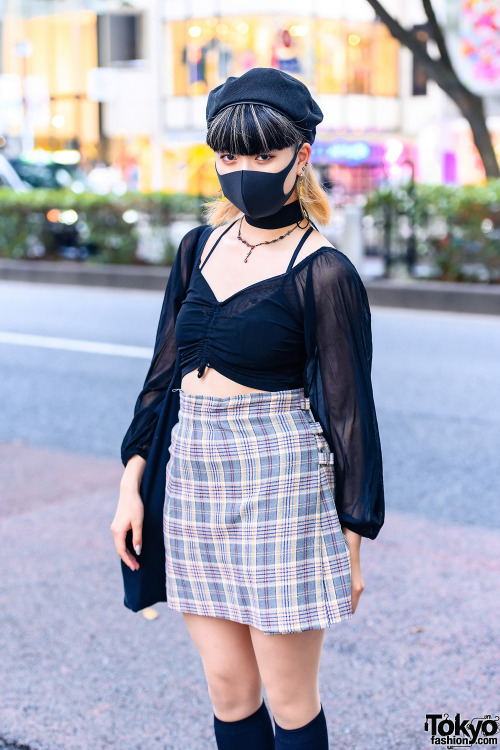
(402, 35)
(441, 73)
(437, 33)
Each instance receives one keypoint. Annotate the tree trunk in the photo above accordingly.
(440, 70)
(471, 107)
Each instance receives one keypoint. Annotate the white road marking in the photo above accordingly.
(76, 345)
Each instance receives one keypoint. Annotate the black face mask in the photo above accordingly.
(257, 194)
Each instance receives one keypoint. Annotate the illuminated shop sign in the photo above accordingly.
(358, 152)
(340, 151)
(473, 39)
(480, 41)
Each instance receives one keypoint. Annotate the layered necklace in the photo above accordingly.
(290, 212)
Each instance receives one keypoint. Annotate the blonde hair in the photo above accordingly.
(255, 129)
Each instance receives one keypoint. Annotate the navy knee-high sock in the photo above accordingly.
(252, 732)
(312, 736)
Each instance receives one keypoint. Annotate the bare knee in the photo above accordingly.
(234, 696)
(292, 690)
(294, 708)
(231, 669)
(289, 665)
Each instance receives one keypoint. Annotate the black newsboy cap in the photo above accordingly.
(273, 88)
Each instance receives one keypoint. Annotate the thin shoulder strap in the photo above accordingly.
(216, 241)
(297, 249)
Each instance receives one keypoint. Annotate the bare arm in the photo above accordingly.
(132, 474)
(357, 583)
(130, 511)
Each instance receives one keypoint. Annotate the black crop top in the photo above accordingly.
(235, 336)
(310, 327)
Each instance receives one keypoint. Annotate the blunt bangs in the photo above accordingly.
(251, 129)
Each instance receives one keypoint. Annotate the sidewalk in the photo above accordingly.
(424, 295)
(79, 671)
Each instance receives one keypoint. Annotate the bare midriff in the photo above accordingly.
(212, 383)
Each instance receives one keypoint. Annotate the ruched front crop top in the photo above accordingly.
(255, 336)
(309, 326)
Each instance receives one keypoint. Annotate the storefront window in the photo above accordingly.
(63, 48)
(330, 54)
(208, 50)
(385, 60)
(360, 58)
(334, 56)
(355, 58)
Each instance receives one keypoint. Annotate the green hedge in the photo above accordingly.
(457, 229)
(26, 232)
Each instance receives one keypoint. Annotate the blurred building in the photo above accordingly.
(472, 29)
(79, 77)
(126, 83)
(350, 62)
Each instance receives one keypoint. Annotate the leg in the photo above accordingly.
(234, 683)
(289, 666)
(233, 678)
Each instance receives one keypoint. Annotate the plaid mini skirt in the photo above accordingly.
(250, 526)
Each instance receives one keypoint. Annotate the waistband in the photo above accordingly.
(260, 402)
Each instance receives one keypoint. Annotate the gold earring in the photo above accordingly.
(301, 198)
(301, 187)
(223, 199)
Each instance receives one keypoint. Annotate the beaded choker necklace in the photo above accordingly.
(288, 214)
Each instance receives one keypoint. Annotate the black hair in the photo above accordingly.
(251, 129)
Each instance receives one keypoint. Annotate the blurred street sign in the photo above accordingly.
(473, 36)
(24, 48)
(38, 99)
(11, 100)
(102, 84)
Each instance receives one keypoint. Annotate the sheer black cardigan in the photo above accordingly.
(336, 378)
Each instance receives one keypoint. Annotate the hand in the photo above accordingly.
(357, 583)
(129, 515)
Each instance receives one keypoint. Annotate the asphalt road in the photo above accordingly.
(435, 379)
(79, 670)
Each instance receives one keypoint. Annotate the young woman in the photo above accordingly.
(275, 467)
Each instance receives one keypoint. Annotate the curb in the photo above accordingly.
(449, 296)
(446, 296)
(84, 274)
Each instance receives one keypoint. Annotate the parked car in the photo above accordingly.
(10, 178)
(50, 174)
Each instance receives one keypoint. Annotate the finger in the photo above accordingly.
(137, 535)
(123, 552)
(129, 560)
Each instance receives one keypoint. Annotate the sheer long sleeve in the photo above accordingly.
(140, 433)
(344, 388)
